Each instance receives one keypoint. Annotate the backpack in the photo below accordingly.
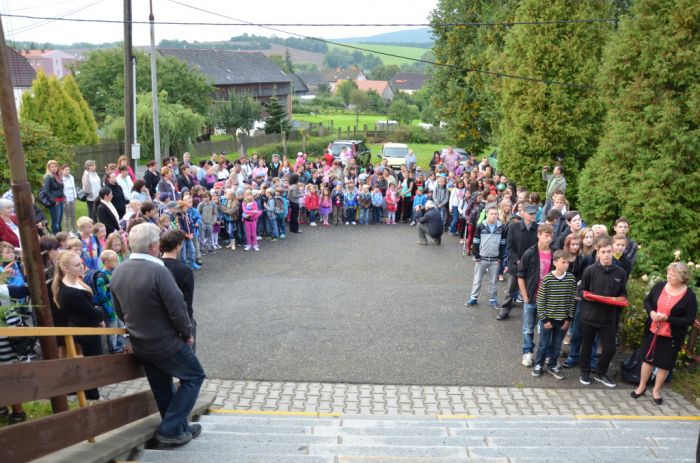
(90, 279)
(631, 368)
(281, 207)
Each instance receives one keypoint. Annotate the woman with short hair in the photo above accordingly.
(672, 308)
(91, 186)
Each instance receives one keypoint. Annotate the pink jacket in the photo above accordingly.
(251, 211)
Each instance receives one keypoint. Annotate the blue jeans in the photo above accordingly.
(549, 345)
(115, 341)
(443, 215)
(313, 215)
(364, 216)
(455, 220)
(56, 212)
(187, 252)
(174, 404)
(281, 226)
(350, 214)
(377, 214)
(272, 227)
(529, 322)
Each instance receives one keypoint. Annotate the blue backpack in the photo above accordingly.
(281, 207)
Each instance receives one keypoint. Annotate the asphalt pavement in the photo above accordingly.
(355, 304)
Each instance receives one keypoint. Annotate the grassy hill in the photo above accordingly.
(408, 52)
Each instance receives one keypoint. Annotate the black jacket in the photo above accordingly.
(185, 281)
(529, 270)
(105, 216)
(184, 181)
(603, 281)
(433, 220)
(77, 306)
(118, 199)
(151, 179)
(53, 188)
(519, 240)
(682, 314)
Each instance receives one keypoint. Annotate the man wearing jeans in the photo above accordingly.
(534, 265)
(489, 247)
(154, 310)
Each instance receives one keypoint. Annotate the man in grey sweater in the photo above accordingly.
(154, 311)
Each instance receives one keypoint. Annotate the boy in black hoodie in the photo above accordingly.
(603, 279)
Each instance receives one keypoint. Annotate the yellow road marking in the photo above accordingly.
(638, 417)
(456, 417)
(222, 411)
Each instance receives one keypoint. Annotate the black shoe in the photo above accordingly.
(502, 315)
(585, 378)
(183, 438)
(604, 380)
(196, 430)
(199, 262)
(635, 395)
(658, 401)
(537, 371)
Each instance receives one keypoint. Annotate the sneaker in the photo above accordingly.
(354, 223)
(195, 267)
(260, 238)
(494, 305)
(283, 236)
(256, 248)
(537, 371)
(195, 429)
(585, 378)
(470, 303)
(273, 239)
(413, 224)
(461, 241)
(527, 359)
(246, 248)
(567, 340)
(502, 314)
(604, 380)
(422, 243)
(519, 299)
(347, 223)
(555, 371)
(313, 224)
(183, 438)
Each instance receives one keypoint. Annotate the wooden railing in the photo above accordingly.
(690, 347)
(24, 382)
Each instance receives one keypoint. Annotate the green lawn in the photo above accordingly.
(408, 52)
(343, 120)
(423, 151)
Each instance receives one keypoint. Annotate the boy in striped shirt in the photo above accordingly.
(556, 305)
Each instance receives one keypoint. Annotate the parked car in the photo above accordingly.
(395, 154)
(361, 152)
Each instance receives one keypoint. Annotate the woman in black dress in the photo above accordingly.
(74, 298)
(672, 308)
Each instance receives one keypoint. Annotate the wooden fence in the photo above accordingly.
(24, 382)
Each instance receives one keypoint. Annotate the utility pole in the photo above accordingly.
(24, 207)
(128, 82)
(154, 89)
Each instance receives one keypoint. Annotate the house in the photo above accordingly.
(382, 87)
(313, 80)
(21, 73)
(52, 62)
(298, 85)
(409, 82)
(332, 76)
(239, 72)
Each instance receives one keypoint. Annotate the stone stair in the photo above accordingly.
(251, 438)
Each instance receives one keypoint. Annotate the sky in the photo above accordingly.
(271, 11)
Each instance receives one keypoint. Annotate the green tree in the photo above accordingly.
(101, 80)
(179, 126)
(40, 145)
(71, 88)
(50, 105)
(239, 112)
(384, 72)
(360, 101)
(545, 122)
(647, 166)
(344, 89)
(376, 102)
(403, 112)
(277, 120)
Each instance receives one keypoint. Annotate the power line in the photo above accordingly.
(418, 60)
(61, 17)
(203, 23)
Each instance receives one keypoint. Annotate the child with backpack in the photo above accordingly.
(91, 247)
(377, 204)
(281, 211)
(350, 200)
(209, 213)
(324, 206)
(365, 205)
(271, 214)
(102, 297)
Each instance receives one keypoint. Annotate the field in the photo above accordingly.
(410, 53)
(343, 119)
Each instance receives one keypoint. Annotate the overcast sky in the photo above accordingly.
(275, 11)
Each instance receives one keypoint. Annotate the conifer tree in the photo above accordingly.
(277, 120)
(546, 122)
(647, 165)
(73, 91)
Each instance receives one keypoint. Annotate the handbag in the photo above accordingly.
(44, 198)
(81, 195)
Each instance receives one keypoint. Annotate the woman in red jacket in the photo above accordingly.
(9, 231)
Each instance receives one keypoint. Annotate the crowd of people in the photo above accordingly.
(570, 277)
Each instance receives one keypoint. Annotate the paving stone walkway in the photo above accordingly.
(421, 401)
